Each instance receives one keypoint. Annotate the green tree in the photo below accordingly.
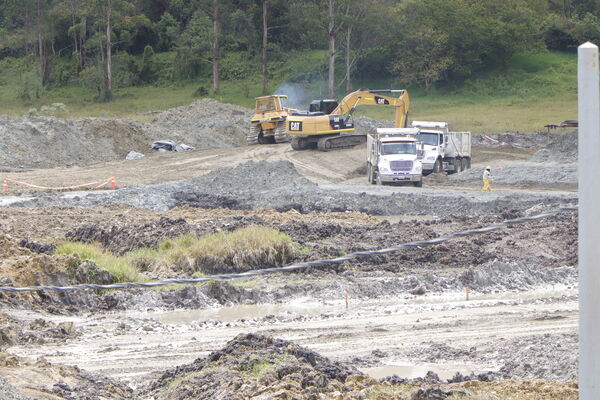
(424, 59)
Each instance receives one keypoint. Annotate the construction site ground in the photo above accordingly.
(496, 314)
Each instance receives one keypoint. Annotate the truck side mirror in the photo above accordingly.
(420, 153)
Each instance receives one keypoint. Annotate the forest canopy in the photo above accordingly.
(104, 44)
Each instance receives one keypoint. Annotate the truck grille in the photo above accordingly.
(401, 165)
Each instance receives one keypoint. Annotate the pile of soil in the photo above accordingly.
(211, 123)
(9, 392)
(39, 331)
(563, 150)
(518, 140)
(548, 356)
(20, 266)
(45, 142)
(40, 379)
(365, 125)
(260, 367)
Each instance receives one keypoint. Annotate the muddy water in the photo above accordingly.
(411, 371)
(241, 311)
(310, 308)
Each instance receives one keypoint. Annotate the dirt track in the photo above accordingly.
(343, 166)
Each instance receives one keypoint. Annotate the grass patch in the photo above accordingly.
(531, 91)
(241, 250)
(119, 267)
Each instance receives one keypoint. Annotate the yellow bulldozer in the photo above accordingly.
(268, 122)
(329, 125)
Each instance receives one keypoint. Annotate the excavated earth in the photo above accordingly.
(487, 316)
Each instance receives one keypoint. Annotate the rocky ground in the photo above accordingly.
(489, 316)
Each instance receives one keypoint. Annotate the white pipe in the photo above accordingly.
(589, 221)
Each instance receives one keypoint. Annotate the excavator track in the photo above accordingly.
(340, 142)
(281, 135)
(300, 143)
(252, 137)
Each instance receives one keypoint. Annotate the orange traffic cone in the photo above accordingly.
(113, 181)
(5, 185)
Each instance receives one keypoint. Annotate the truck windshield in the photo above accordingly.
(428, 138)
(398, 148)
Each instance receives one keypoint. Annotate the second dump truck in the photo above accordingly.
(444, 150)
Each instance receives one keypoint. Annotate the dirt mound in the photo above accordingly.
(39, 331)
(366, 125)
(20, 266)
(40, 379)
(563, 149)
(259, 367)
(9, 392)
(45, 142)
(547, 356)
(215, 124)
(534, 140)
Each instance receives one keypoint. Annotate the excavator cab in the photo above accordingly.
(324, 106)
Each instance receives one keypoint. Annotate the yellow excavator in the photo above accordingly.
(268, 123)
(329, 125)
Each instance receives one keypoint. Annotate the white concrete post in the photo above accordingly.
(589, 221)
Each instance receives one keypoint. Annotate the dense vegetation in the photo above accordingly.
(49, 46)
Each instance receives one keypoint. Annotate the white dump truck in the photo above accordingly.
(394, 155)
(443, 150)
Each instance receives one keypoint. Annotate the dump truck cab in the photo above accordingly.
(394, 156)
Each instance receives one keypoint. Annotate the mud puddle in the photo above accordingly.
(412, 371)
(239, 312)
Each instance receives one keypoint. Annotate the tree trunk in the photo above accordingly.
(331, 53)
(348, 61)
(265, 72)
(40, 46)
(216, 58)
(108, 88)
(82, 39)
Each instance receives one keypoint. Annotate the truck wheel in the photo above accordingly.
(378, 180)
(452, 162)
(463, 165)
(458, 165)
(437, 167)
(468, 162)
(419, 183)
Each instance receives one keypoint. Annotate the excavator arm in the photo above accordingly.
(348, 105)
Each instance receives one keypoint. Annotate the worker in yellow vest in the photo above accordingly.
(487, 179)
